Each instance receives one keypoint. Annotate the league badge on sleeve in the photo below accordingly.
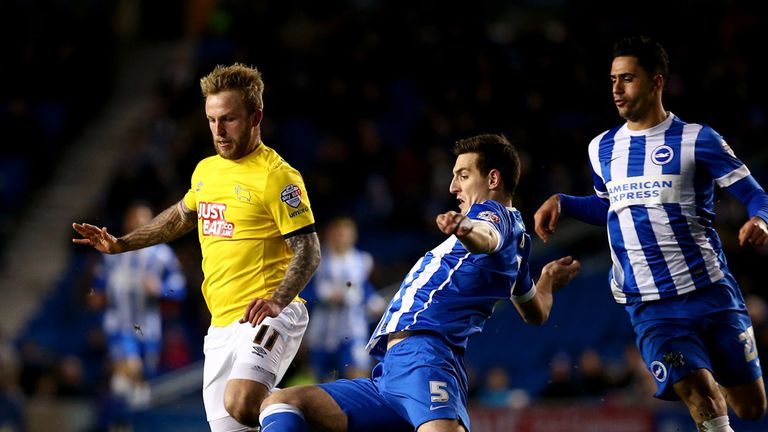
(291, 195)
(489, 216)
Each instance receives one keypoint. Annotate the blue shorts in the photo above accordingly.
(420, 379)
(706, 329)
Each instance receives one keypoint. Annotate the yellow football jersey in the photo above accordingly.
(244, 207)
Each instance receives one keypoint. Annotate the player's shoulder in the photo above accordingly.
(608, 133)
(271, 159)
(492, 211)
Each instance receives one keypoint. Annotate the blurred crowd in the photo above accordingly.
(365, 98)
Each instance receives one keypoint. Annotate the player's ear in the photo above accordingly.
(256, 117)
(494, 179)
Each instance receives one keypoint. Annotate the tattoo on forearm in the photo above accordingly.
(171, 224)
(306, 258)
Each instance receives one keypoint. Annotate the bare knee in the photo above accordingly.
(243, 402)
(290, 396)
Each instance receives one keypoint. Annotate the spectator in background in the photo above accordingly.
(593, 381)
(496, 392)
(11, 396)
(130, 287)
(345, 303)
(561, 383)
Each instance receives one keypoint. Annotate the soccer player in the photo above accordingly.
(259, 246)
(340, 323)
(130, 287)
(421, 381)
(654, 178)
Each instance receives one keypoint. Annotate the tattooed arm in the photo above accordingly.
(171, 224)
(306, 258)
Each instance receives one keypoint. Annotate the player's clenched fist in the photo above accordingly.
(454, 223)
(546, 217)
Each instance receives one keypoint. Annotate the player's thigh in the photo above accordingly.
(424, 380)
(320, 410)
(441, 425)
(697, 388)
(263, 353)
(363, 407)
(673, 351)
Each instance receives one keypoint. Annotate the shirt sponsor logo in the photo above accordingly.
(214, 223)
(489, 216)
(662, 155)
(646, 190)
(291, 195)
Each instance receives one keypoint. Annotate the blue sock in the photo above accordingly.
(282, 418)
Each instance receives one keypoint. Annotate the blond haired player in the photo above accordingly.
(259, 248)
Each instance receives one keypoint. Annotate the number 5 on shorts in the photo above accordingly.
(437, 391)
(750, 349)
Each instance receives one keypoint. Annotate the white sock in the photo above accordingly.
(718, 424)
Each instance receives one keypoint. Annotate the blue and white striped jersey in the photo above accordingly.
(452, 292)
(123, 278)
(660, 186)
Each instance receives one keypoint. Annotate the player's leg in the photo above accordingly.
(294, 409)
(263, 355)
(677, 357)
(748, 401)
(701, 395)
(441, 425)
(218, 365)
(340, 406)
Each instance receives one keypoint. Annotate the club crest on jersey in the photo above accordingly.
(291, 195)
(659, 371)
(489, 216)
(242, 194)
(662, 155)
(211, 216)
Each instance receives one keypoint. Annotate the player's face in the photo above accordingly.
(233, 128)
(468, 184)
(633, 89)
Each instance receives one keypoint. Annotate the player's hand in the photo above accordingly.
(562, 271)
(97, 237)
(454, 223)
(754, 232)
(258, 309)
(546, 217)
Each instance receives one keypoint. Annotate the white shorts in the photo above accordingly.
(239, 351)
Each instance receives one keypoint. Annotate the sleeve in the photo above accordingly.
(590, 209)
(752, 195)
(715, 156)
(285, 198)
(189, 198)
(523, 288)
(495, 216)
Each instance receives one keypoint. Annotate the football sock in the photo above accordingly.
(719, 424)
(282, 418)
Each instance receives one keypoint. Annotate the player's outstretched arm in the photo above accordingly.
(554, 276)
(475, 236)
(546, 217)
(754, 232)
(172, 223)
(306, 259)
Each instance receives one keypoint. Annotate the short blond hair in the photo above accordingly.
(245, 79)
